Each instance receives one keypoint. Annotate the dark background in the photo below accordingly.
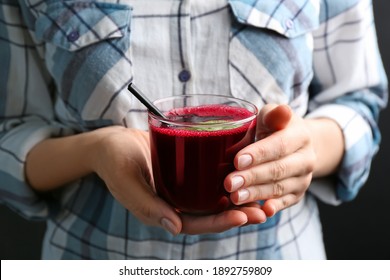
(356, 230)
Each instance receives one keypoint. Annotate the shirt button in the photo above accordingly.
(184, 75)
(289, 24)
(73, 36)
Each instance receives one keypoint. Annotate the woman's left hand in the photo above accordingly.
(278, 167)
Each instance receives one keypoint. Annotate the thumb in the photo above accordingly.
(155, 211)
(147, 206)
(165, 216)
(272, 118)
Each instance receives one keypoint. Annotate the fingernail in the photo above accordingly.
(237, 182)
(244, 161)
(273, 211)
(243, 195)
(169, 226)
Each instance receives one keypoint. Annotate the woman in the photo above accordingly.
(74, 147)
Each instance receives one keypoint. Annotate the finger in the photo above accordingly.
(276, 146)
(144, 203)
(254, 213)
(272, 118)
(293, 185)
(273, 206)
(213, 223)
(294, 165)
(270, 145)
(156, 212)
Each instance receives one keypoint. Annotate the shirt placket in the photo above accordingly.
(183, 74)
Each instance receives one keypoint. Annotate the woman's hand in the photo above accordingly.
(278, 168)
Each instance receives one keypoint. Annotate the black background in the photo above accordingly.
(355, 230)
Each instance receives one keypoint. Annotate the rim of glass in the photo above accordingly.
(168, 122)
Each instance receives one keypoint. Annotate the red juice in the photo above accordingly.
(191, 163)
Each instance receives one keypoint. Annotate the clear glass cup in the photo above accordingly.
(193, 150)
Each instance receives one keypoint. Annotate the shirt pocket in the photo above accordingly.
(73, 25)
(270, 51)
(87, 50)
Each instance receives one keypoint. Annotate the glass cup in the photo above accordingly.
(193, 150)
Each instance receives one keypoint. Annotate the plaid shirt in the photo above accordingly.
(65, 67)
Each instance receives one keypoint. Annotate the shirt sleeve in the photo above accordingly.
(26, 109)
(350, 87)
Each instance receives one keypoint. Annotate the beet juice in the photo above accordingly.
(192, 155)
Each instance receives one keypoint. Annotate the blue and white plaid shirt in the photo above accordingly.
(65, 67)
